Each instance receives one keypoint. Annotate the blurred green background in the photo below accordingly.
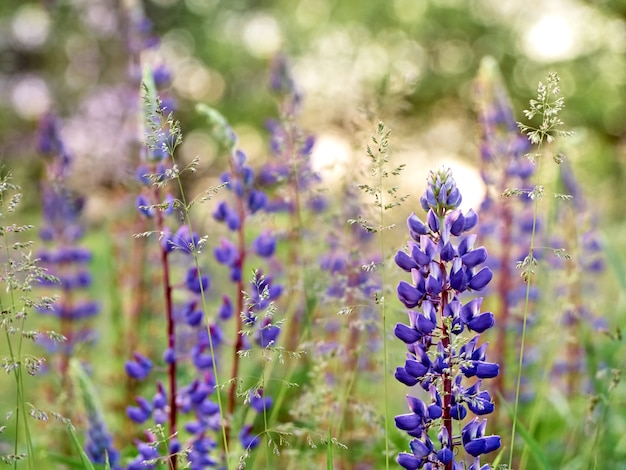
(408, 62)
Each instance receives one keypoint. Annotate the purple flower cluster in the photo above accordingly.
(189, 345)
(248, 201)
(99, 443)
(506, 222)
(253, 305)
(62, 231)
(290, 169)
(68, 262)
(576, 235)
(351, 282)
(444, 264)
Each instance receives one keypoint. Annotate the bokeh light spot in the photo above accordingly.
(262, 36)
(331, 157)
(551, 38)
(30, 96)
(30, 26)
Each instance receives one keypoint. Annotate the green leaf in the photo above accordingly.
(533, 445)
(67, 462)
(219, 128)
(86, 463)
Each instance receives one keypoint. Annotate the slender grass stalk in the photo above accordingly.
(84, 459)
(205, 309)
(265, 422)
(383, 313)
(150, 90)
(540, 404)
(524, 323)
(240, 304)
(10, 312)
(354, 353)
(379, 159)
(547, 106)
(598, 431)
(186, 209)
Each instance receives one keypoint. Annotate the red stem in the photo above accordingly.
(295, 235)
(447, 382)
(67, 331)
(240, 308)
(504, 289)
(171, 344)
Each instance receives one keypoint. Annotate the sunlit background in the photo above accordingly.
(410, 63)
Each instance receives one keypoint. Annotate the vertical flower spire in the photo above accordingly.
(506, 221)
(253, 309)
(158, 168)
(444, 264)
(63, 257)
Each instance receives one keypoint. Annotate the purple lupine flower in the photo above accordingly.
(63, 257)
(444, 264)
(263, 292)
(147, 452)
(264, 245)
(291, 147)
(267, 333)
(258, 402)
(99, 445)
(140, 413)
(196, 284)
(506, 223)
(139, 368)
(51, 146)
(188, 340)
(159, 405)
(99, 442)
(246, 199)
(183, 240)
(581, 253)
(247, 438)
(474, 440)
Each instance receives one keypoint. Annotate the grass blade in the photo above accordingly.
(533, 445)
(329, 452)
(87, 465)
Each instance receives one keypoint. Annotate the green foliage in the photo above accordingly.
(413, 63)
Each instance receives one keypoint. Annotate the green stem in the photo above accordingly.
(525, 315)
(381, 214)
(205, 309)
(19, 382)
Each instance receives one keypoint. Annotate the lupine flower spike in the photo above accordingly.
(63, 256)
(506, 221)
(444, 264)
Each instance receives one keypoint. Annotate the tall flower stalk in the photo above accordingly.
(63, 257)
(290, 170)
(252, 304)
(163, 135)
(444, 266)
(353, 335)
(505, 222)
